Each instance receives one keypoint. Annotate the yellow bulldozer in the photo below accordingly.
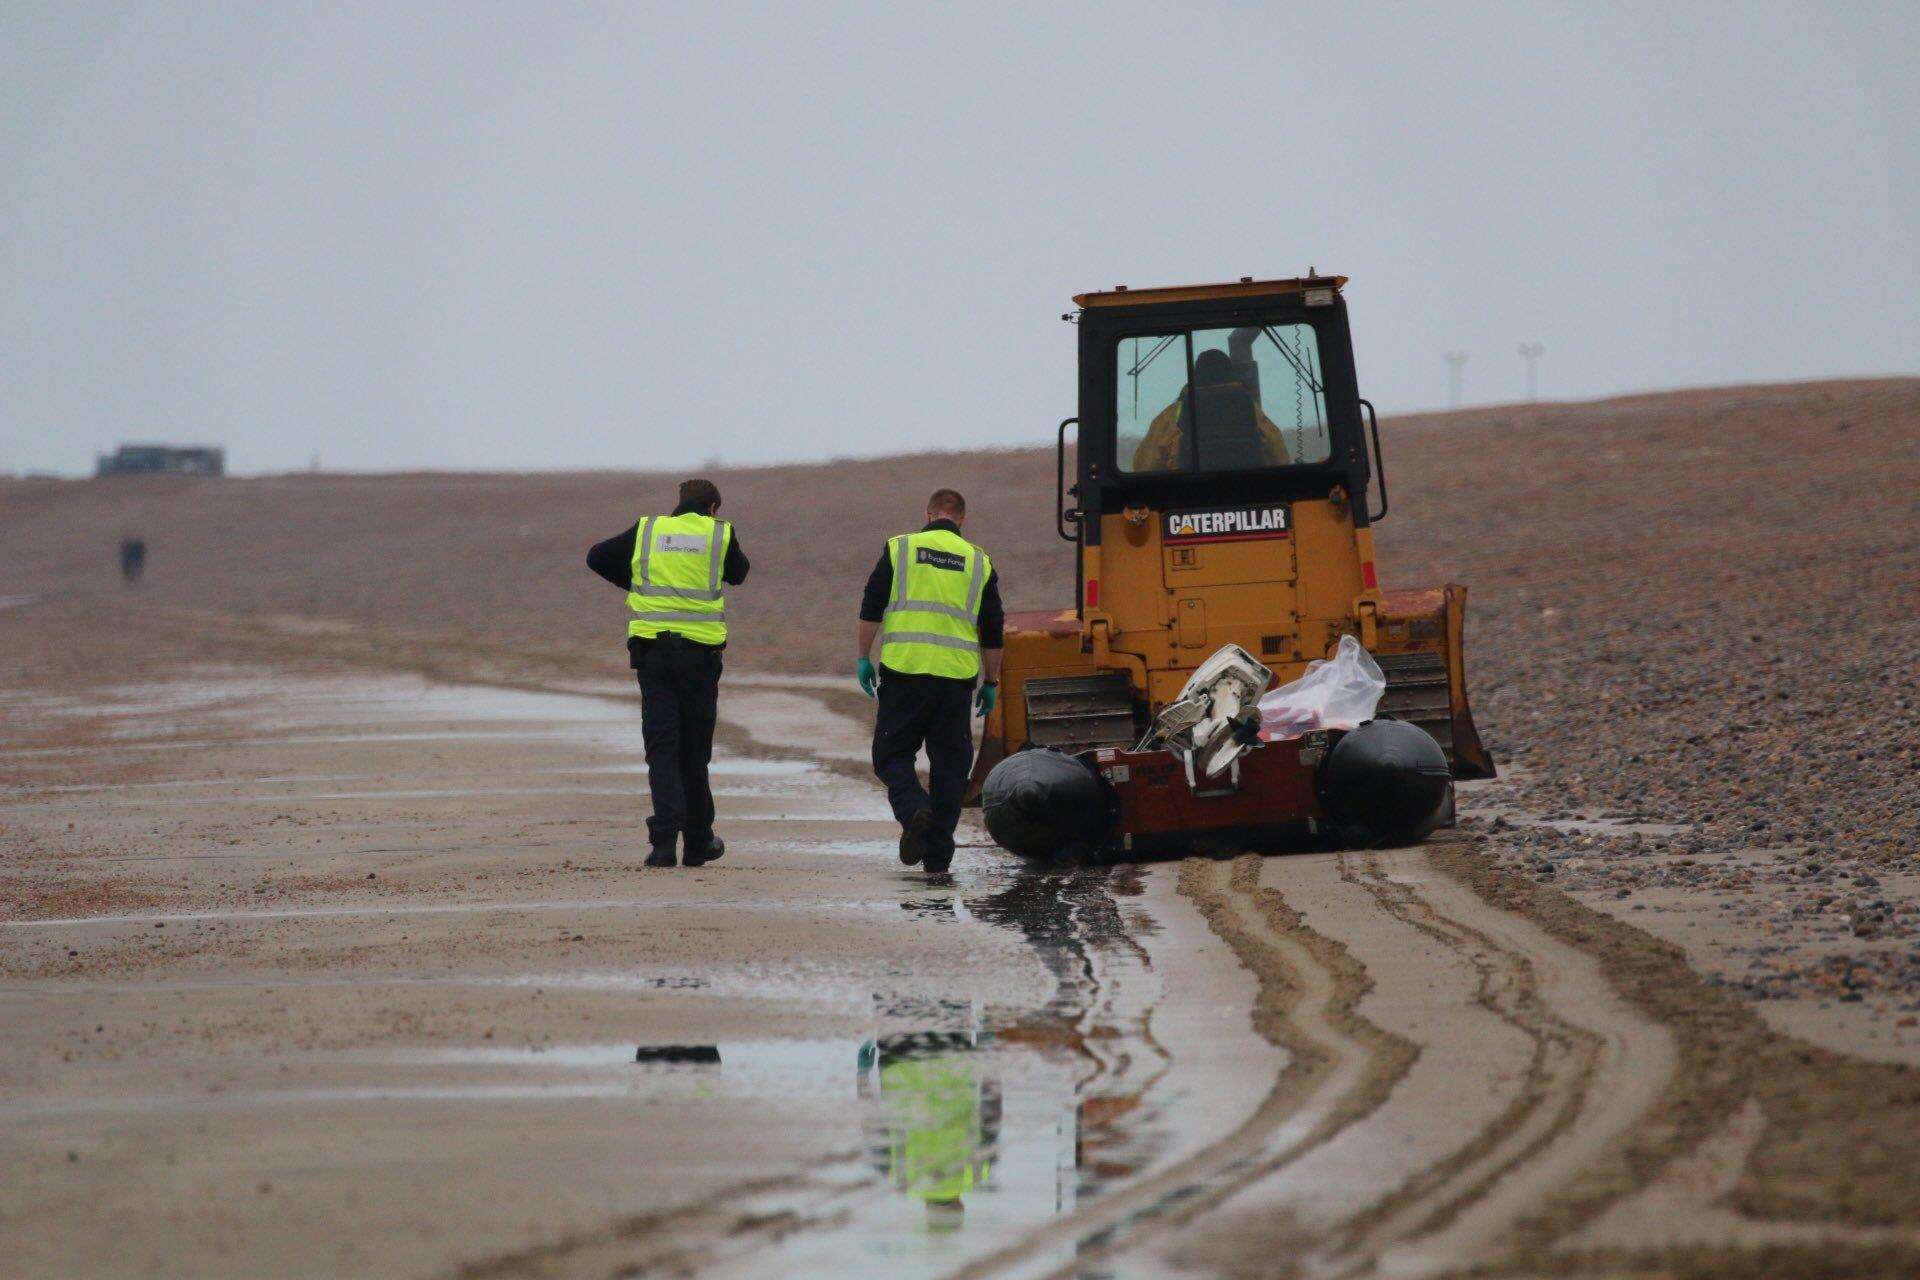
(1228, 475)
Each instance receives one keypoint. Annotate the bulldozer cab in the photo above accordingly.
(1223, 473)
(1216, 400)
(1214, 414)
(1226, 480)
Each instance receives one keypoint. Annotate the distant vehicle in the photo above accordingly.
(162, 459)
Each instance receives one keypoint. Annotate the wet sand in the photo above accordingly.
(313, 971)
(379, 954)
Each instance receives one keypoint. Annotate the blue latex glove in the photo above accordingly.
(984, 697)
(868, 676)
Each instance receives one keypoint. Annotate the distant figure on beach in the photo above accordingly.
(133, 559)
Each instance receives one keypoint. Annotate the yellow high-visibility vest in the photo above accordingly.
(932, 622)
(676, 578)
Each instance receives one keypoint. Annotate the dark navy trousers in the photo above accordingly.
(679, 699)
(930, 711)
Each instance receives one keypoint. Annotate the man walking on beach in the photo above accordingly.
(672, 568)
(933, 601)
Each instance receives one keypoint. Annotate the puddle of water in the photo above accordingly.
(796, 722)
(818, 993)
(753, 1068)
(978, 1121)
(427, 909)
(311, 1097)
(310, 740)
(878, 849)
(311, 703)
(731, 766)
(723, 767)
(296, 798)
(966, 1141)
(226, 687)
(84, 788)
(775, 680)
(284, 711)
(979, 1126)
(361, 711)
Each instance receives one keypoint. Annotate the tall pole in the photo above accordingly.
(1531, 353)
(1456, 361)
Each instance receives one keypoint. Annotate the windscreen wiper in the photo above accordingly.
(1312, 382)
(1141, 364)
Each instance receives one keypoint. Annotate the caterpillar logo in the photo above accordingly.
(1225, 524)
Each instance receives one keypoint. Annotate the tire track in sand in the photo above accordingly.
(1598, 1067)
(1339, 1067)
(1588, 1067)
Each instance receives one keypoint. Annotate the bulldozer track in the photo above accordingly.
(1343, 1067)
(1304, 1005)
(1485, 1193)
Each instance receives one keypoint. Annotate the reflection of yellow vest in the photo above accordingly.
(932, 623)
(676, 578)
(936, 1140)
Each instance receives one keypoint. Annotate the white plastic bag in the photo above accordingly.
(1336, 693)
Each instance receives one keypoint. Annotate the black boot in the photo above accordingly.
(711, 852)
(939, 854)
(916, 837)
(664, 850)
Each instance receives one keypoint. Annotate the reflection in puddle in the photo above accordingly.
(982, 1123)
(933, 1124)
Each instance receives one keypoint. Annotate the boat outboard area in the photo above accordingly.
(1202, 779)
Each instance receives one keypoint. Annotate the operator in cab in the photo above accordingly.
(1235, 433)
(933, 602)
(673, 568)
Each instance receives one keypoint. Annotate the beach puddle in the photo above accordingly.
(980, 1124)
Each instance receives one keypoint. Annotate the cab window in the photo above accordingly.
(1220, 400)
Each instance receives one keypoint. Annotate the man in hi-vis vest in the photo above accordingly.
(934, 603)
(672, 569)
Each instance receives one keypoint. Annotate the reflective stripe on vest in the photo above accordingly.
(677, 562)
(931, 625)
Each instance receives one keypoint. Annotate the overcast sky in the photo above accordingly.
(556, 236)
